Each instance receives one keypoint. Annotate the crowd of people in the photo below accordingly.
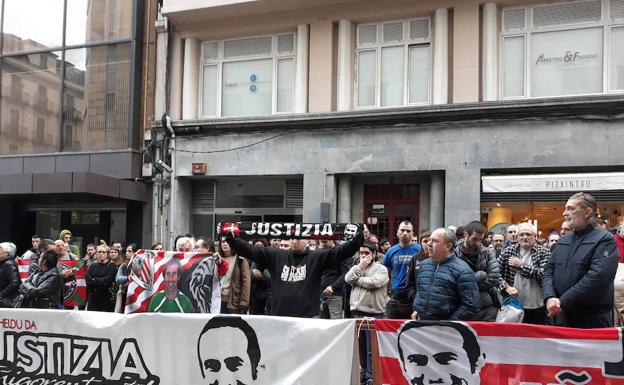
(456, 273)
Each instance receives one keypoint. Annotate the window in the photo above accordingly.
(393, 63)
(561, 49)
(67, 68)
(245, 77)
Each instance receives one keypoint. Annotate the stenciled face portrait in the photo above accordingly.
(438, 355)
(228, 352)
(171, 278)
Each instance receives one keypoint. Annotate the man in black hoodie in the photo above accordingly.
(296, 273)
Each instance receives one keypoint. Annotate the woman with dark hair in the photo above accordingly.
(42, 290)
(236, 283)
(100, 278)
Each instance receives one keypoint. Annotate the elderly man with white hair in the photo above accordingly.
(522, 267)
(9, 274)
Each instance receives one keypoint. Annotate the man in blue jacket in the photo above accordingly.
(446, 286)
(578, 279)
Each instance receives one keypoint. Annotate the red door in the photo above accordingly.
(386, 206)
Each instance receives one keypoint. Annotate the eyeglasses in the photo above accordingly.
(526, 235)
(102, 251)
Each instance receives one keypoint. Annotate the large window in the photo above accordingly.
(251, 76)
(572, 48)
(67, 89)
(393, 63)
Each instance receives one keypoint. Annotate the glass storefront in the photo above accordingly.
(67, 90)
(547, 215)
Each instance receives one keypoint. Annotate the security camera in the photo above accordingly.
(164, 166)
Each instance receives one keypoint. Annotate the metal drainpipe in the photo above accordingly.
(166, 122)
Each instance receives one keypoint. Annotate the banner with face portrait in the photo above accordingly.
(173, 282)
(54, 347)
(470, 353)
(285, 230)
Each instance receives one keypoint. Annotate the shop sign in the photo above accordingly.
(553, 182)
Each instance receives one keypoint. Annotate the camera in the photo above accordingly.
(160, 165)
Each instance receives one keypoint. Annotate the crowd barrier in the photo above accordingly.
(60, 347)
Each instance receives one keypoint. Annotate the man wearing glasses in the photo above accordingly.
(522, 267)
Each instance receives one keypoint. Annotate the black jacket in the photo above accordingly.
(296, 278)
(42, 290)
(487, 271)
(100, 279)
(580, 273)
(334, 276)
(9, 281)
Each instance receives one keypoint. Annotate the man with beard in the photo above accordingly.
(483, 262)
(171, 300)
(578, 278)
(439, 352)
(240, 367)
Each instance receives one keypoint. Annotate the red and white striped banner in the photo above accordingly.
(420, 352)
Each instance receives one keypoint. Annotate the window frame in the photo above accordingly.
(606, 22)
(377, 47)
(275, 56)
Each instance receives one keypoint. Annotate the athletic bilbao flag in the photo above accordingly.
(191, 279)
(251, 230)
(75, 286)
(470, 353)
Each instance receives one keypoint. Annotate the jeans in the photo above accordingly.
(331, 307)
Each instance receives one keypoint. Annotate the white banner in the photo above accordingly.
(54, 347)
(553, 182)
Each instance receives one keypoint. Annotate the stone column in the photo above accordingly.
(345, 66)
(344, 199)
(436, 201)
(440, 56)
(301, 71)
(190, 79)
(490, 52)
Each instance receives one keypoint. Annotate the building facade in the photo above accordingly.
(72, 111)
(376, 112)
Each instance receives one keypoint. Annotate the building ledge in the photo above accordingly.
(599, 107)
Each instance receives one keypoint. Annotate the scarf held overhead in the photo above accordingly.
(250, 230)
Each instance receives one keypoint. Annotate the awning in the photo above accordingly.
(553, 182)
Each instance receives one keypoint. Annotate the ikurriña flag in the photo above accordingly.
(470, 353)
(74, 286)
(192, 280)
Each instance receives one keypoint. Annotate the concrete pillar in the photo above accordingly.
(190, 79)
(345, 66)
(301, 71)
(466, 52)
(462, 195)
(313, 195)
(440, 56)
(175, 76)
(490, 52)
(321, 84)
(436, 201)
(344, 199)
(162, 47)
